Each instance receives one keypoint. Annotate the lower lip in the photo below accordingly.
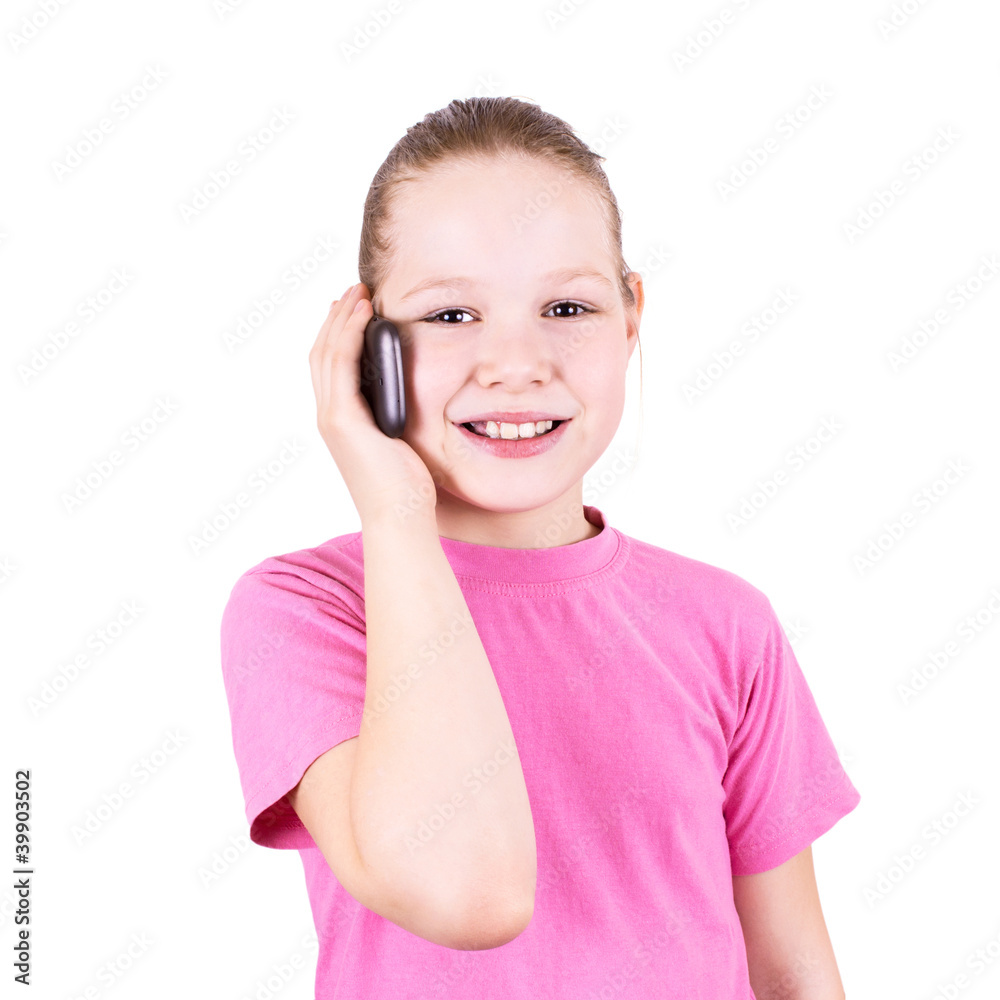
(516, 447)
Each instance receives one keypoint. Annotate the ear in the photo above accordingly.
(633, 314)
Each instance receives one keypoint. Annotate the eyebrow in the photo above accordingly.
(562, 275)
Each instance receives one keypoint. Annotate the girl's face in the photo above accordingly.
(487, 326)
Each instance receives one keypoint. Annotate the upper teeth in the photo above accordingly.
(503, 430)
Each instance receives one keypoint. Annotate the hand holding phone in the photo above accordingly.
(361, 424)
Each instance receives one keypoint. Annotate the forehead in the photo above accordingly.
(513, 215)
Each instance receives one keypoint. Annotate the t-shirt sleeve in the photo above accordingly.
(784, 784)
(294, 668)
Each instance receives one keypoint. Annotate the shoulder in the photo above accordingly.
(331, 572)
(698, 587)
(708, 614)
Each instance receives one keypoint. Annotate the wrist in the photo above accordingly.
(400, 520)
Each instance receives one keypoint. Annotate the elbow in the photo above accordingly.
(488, 921)
(491, 910)
(467, 912)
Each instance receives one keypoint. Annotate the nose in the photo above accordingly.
(513, 351)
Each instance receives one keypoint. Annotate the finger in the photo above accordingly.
(346, 377)
(334, 377)
(334, 345)
(318, 357)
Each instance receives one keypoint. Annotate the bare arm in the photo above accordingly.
(418, 809)
(405, 814)
(789, 953)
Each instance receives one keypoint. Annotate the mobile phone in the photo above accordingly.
(382, 376)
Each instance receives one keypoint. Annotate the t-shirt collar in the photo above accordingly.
(493, 564)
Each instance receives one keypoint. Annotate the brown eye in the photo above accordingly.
(575, 305)
(446, 312)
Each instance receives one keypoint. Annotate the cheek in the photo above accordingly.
(594, 369)
(430, 381)
(608, 396)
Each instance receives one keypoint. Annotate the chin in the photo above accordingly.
(513, 502)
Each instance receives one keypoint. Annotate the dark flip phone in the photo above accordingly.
(382, 376)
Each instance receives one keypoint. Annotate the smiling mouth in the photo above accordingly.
(509, 431)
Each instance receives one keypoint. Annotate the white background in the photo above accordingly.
(712, 262)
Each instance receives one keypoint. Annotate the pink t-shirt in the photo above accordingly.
(666, 733)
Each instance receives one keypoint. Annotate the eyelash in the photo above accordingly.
(433, 318)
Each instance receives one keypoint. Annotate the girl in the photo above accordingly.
(520, 753)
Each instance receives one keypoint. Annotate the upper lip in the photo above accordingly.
(511, 417)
